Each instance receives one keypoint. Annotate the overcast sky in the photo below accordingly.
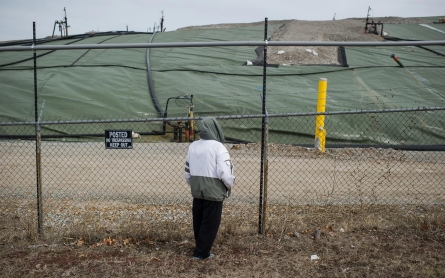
(17, 16)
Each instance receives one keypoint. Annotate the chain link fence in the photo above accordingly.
(82, 181)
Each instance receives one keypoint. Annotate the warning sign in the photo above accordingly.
(118, 139)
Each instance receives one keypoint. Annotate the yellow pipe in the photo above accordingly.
(192, 125)
(320, 132)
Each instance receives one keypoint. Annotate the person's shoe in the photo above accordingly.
(198, 258)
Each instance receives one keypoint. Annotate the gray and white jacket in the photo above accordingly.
(208, 167)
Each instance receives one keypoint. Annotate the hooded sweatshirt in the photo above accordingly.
(208, 168)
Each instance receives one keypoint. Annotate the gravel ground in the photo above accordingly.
(151, 173)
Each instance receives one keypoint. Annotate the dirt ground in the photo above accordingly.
(306, 241)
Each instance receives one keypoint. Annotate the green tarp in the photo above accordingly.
(109, 84)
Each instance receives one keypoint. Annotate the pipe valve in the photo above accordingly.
(397, 60)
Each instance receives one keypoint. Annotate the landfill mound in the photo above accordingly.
(302, 30)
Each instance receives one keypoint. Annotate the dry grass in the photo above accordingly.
(355, 241)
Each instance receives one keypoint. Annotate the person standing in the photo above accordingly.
(209, 173)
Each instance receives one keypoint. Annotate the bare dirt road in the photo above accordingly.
(153, 173)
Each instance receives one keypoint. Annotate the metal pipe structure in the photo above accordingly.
(320, 132)
(38, 147)
(212, 44)
(66, 22)
(264, 131)
(54, 29)
(250, 116)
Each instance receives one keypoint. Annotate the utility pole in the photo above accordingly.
(66, 22)
(162, 21)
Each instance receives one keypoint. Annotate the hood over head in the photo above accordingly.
(209, 129)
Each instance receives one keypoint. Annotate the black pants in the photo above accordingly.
(206, 220)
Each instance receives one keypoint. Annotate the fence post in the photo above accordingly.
(264, 135)
(320, 132)
(38, 166)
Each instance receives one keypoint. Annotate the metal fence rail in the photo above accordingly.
(213, 44)
(79, 170)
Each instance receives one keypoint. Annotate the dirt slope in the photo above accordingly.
(302, 30)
